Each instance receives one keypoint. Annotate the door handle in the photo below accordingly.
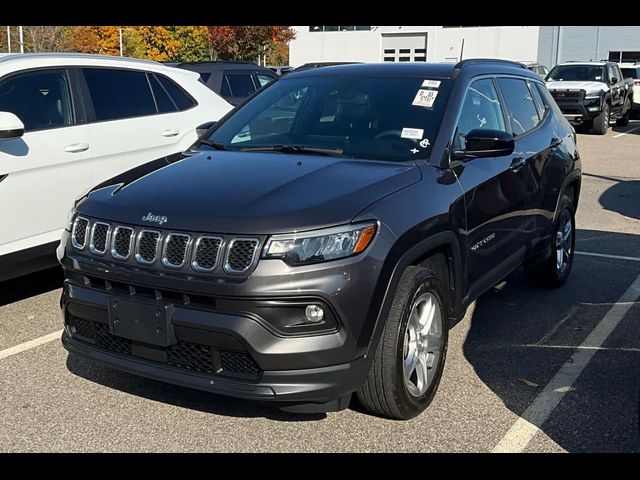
(171, 132)
(76, 148)
(517, 164)
(555, 142)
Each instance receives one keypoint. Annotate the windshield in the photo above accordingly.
(580, 73)
(367, 117)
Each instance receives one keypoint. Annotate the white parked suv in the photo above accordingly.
(632, 70)
(69, 122)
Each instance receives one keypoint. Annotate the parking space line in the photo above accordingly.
(628, 131)
(524, 429)
(23, 347)
(580, 347)
(605, 255)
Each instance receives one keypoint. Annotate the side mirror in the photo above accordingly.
(204, 127)
(10, 126)
(482, 143)
(614, 80)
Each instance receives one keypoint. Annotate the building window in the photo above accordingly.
(624, 56)
(341, 28)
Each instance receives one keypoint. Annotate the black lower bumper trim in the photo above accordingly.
(287, 387)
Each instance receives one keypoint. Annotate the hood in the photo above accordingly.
(587, 86)
(246, 193)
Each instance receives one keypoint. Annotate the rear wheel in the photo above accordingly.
(601, 122)
(553, 268)
(624, 120)
(408, 363)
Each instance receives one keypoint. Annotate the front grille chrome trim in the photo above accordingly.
(73, 232)
(227, 267)
(194, 260)
(185, 256)
(139, 258)
(114, 237)
(92, 246)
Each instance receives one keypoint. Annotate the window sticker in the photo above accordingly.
(414, 133)
(425, 143)
(425, 98)
(431, 83)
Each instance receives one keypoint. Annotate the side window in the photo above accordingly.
(119, 93)
(612, 73)
(480, 109)
(182, 101)
(264, 79)
(163, 101)
(238, 85)
(41, 99)
(537, 99)
(205, 76)
(517, 96)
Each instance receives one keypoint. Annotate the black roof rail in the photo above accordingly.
(470, 61)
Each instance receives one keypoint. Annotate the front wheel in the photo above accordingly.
(601, 122)
(408, 363)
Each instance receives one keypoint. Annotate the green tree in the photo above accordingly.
(193, 43)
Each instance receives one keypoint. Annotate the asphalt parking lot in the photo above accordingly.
(528, 369)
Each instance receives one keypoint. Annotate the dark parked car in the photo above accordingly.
(321, 239)
(233, 81)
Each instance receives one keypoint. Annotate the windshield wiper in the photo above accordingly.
(212, 144)
(295, 149)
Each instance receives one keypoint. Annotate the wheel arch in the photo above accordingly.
(445, 242)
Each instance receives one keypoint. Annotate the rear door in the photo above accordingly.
(135, 117)
(42, 172)
(616, 84)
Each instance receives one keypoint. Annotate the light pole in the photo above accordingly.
(21, 39)
(9, 38)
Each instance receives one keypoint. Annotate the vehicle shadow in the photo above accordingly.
(179, 396)
(30, 285)
(620, 198)
(520, 336)
(629, 129)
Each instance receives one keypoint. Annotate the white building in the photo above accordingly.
(545, 44)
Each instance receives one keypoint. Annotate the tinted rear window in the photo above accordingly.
(182, 101)
(119, 93)
(238, 85)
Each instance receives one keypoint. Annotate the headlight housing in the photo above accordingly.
(321, 245)
(593, 94)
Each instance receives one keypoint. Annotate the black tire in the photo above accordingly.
(544, 271)
(601, 122)
(624, 120)
(384, 392)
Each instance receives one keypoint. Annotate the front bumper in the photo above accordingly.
(225, 352)
(577, 108)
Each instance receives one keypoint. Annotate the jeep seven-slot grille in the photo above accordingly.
(206, 255)
(194, 357)
(178, 251)
(99, 239)
(122, 242)
(147, 249)
(241, 254)
(79, 233)
(175, 251)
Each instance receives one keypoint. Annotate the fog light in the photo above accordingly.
(594, 109)
(314, 313)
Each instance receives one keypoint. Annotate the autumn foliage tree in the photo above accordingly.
(247, 42)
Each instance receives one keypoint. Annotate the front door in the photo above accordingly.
(494, 198)
(46, 169)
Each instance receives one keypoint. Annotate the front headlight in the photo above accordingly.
(593, 94)
(321, 245)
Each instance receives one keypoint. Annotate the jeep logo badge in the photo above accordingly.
(159, 219)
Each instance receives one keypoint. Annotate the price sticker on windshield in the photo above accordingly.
(425, 98)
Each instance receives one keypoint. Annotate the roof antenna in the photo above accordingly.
(462, 49)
